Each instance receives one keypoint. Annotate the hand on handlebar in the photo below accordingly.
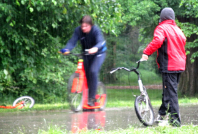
(93, 50)
(64, 51)
(144, 57)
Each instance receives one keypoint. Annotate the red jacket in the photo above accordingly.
(169, 41)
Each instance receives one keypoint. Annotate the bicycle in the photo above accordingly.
(143, 107)
(78, 89)
(21, 102)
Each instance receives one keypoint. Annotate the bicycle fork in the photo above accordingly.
(143, 93)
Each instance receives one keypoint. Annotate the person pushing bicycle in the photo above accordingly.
(169, 41)
(92, 40)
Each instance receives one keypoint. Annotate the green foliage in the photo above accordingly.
(138, 13)
(190, 27)
(32, 32)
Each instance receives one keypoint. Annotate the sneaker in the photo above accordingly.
(161, 118)
(91, 102)
(163, 123)
(175, 123)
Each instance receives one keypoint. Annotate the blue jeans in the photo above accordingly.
(92, 64)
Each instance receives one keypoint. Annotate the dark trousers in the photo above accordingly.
(169, 95)
(92, 64)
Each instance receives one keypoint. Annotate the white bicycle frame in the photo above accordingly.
(143, 93)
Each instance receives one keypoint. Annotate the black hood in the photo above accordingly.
(167, 14)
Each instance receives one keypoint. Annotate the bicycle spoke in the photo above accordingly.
(75, 100)
(143, 110)
(28, 102)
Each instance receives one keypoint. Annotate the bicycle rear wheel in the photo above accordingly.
(28, 101)
(74, 97)
(144, 113)
(101, 96)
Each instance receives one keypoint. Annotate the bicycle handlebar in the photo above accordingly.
(77, 54)
(129, 70)
(80, 54)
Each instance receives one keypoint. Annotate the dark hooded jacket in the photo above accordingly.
(93, 39)
(169, 42)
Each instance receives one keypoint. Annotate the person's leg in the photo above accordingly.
(165, 98)
(171, 102)
(172, 87)
(87, 62)
(93, 74)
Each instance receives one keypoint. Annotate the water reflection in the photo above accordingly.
(111, 119)
(88, 120)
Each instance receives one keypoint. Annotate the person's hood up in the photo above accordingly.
(167, 14)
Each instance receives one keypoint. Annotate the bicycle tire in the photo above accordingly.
(28, 101)
(100, 91)
(146, 117)
(74, 99)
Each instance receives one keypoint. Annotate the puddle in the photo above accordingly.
(110, 119)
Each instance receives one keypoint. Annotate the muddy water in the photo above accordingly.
(110, 119)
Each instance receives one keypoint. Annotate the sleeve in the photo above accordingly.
(100, 42)
(73, 41)
(156, 43)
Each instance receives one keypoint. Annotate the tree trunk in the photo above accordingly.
(110, 63)
(188, 84)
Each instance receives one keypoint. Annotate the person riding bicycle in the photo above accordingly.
(91, 39)
(169, 41)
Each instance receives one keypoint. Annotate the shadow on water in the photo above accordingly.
(111, 119)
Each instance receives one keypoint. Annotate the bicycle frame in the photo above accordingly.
(83, 87)
(141, 87)
(144, 111)
(16, 106)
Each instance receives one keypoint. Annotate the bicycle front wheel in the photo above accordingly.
(28, 101)
(74, 97)
(144, 111)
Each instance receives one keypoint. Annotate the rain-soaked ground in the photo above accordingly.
(110, 119)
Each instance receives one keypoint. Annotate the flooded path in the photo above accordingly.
(110, 119)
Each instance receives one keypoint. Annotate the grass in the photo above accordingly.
(40, 107)
(190, 129)
(124, 98)
(125, 79)
(116, 98)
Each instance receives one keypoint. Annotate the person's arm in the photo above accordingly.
(156, 43)
(100, 42)
(73, 41)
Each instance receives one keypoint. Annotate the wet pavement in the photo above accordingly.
(110, 119)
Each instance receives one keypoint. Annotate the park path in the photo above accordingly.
(110, 119)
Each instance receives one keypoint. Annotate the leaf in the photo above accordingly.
(31, 9)
(28, 48)
(17, 2)
(8, 18)
(23, 2)
(54, 2)
(64, 10)
(54, 25)
(5, 72)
